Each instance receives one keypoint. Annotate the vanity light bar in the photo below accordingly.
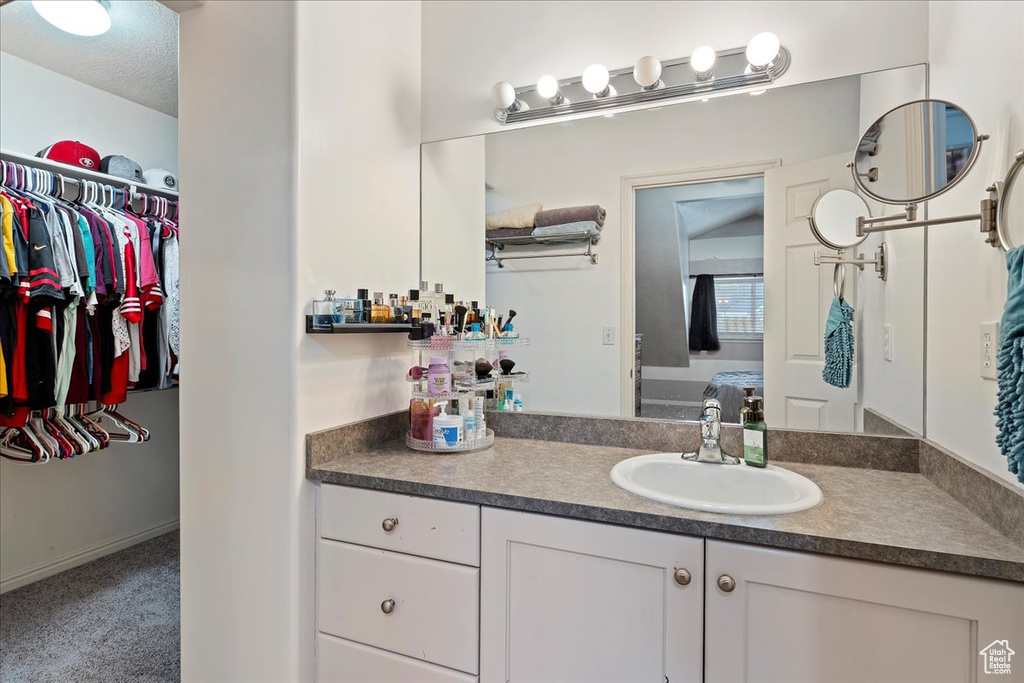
(677, 81)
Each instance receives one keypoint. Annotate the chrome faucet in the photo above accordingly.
(711, 435)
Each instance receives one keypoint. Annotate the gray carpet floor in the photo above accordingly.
(116, 619)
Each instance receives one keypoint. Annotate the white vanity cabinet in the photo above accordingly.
(464, 594)
(398, 588)
(579, 602)
(775, 615)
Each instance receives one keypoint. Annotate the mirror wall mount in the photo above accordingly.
(733, 74)
(880, 262)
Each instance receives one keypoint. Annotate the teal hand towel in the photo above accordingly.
(1010, 368)
(838, 370)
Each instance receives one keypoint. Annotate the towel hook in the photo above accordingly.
(839, 280)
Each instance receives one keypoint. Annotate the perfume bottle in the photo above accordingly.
(394, 313)
(367, 306)
(380, 313)
(327, 311)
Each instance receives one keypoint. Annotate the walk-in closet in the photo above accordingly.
(90, 355)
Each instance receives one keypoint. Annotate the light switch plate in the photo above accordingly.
(608, 336)
(887, 342)
(989, 348)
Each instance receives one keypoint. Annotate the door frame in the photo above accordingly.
(627, 289)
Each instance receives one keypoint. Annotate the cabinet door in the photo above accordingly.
(795, 617)
(570, 601)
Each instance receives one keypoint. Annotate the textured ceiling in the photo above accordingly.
(137, 59)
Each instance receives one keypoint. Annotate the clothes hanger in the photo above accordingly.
(21, 445)
(130, 434)
(92, 427)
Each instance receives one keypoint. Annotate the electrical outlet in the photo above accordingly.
(608, 336)
(989, 349)
(887, 343)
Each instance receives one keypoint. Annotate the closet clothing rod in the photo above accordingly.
(729, 275)
(76, 174)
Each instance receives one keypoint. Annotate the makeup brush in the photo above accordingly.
(460, 316)
(511, 314)
(483, 368)
(506, 365)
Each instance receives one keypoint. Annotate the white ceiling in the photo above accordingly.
(137, 59)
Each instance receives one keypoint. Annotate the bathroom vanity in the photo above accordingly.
(526, 563)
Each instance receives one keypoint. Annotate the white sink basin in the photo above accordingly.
(729, 489)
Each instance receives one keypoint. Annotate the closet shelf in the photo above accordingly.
(358, 328)
(69, 171)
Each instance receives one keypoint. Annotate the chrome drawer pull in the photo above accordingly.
(682, 576)
(389, 524)
(388, 606)
(726, 583)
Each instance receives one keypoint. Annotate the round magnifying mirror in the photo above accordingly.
(1010, 214)
(916, 152)
(834, 218)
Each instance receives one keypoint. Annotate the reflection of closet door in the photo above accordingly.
(797, 297)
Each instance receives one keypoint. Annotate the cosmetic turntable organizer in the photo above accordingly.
(463, 349)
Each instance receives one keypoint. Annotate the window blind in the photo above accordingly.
(740, 302)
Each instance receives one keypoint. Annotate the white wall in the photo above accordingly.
(326, 195)
(242, 574)
(977, 61)
(564, 303)
(452, 232)
(61, 514)
(892, 388)
(358, 221)
(469, 46)
(40, 107)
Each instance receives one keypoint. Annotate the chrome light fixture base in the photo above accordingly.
(681, 84)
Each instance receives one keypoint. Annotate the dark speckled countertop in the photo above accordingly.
(881, 515)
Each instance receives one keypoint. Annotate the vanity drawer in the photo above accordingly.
(436, 610)
(342, 661)
(425, 527)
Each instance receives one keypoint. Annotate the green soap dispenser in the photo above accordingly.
(755, 434)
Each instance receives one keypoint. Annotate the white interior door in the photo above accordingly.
(797, 299)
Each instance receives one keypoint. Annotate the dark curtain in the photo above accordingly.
(704, 316)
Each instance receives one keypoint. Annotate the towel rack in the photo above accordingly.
(497, 244)
(880, 262)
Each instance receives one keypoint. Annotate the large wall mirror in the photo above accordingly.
(696, 276)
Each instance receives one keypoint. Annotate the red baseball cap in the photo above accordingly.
(73, 153)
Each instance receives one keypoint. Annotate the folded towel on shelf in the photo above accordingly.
(519, 217)
(570, 214)
(1010, 368)
(563, 228)
(509, 232)
(838, 370)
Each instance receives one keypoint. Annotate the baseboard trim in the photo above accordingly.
(80, 557)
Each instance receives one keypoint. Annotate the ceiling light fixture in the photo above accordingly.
(80, 17)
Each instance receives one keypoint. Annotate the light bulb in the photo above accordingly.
(702, 59)
(80, 17)
(647, 72)
(762, 49)
(547, 87)
(503, 95)
(595, 80)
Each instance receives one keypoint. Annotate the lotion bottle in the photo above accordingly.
(755, 435)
